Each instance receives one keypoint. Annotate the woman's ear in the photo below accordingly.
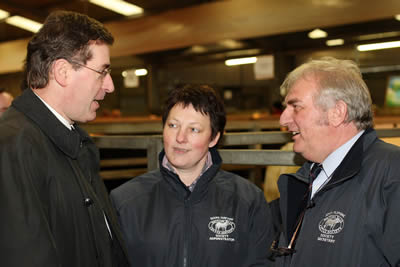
(338, 114)
(60, 71)
(214, 141)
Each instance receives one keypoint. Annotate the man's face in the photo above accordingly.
(88, 87)
(5, 102)
(307, 122)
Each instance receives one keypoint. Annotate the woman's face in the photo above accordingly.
(187, 138)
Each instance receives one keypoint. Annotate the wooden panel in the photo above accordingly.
(12, 56)
(216, 21)
(209, 23)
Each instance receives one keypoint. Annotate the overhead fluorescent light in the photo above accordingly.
(231, 44)
(24, 23)
(119, 6)
(378, 46)
(335, 42)
(380, 35)
(198, 49)
(397, 17)
(141, 72)
(3, 14)
(240, 61)
(137, 72)
(317, 33)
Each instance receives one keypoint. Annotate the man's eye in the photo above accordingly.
(296, 107)
(195, 130)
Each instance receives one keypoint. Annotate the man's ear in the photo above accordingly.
(60, 71)
(214, 141)
(338, 114)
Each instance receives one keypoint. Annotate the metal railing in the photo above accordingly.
(153, 145)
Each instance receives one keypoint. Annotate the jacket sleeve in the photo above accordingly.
(26, 238)
(261, 233)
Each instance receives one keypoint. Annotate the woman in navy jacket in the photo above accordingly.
(189, 212)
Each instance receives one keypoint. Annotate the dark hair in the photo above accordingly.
(204, 99)
(64, 34)
(2, 90)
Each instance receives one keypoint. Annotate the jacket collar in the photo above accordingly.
(201, 187)
(293, 187)
(349, 166)
(67, 141)
(351, 163)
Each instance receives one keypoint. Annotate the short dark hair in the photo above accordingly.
(204, 99)
(2, 90)
(64, 34)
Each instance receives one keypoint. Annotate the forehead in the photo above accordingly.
(302, 90)
(179, 111)
(100, 52)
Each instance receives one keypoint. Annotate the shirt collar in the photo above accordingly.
(166, 164)
(335, 158)
(58, 116)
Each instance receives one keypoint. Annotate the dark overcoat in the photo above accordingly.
(53, 203)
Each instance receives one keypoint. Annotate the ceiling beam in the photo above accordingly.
(216, 21)
(239, 19)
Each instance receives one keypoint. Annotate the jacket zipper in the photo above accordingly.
(186, 230)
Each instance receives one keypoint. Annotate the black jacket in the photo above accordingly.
(225, 221)
(354, 221)
(52, 200)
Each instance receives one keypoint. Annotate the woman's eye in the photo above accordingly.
(171, 125)
(195, 130)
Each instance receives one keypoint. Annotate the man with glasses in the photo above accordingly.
(342, 207)
(54, 206)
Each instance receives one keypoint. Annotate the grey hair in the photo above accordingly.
(336, 80)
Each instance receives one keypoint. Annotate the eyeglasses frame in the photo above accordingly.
(102, 73)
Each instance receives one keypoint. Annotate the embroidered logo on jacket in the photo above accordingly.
(222, 227)
(332, 224)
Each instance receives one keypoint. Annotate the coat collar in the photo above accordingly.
(201, 187)
(67, 141)
(349, 166)
(293, 187)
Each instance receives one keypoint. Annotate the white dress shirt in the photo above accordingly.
(330, 164)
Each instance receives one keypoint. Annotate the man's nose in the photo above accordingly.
(108, 84)
(285, 117)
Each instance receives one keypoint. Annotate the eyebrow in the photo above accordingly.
(106, 66)
(293, 101)
(192, 123)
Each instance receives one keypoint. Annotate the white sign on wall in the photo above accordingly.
(130, 79)
(264, 67)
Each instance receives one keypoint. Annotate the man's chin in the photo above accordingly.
(88, 118)
(297, 148)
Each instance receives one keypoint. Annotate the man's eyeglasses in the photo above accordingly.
(102, 73)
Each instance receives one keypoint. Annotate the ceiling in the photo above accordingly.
(39, 9)
(199, 30)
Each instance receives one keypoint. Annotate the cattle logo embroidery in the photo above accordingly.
(330, 225)
(222, 227)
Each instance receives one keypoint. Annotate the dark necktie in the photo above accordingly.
(284, 251)
(314, 172)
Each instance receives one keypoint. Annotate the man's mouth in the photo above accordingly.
(295, 133)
